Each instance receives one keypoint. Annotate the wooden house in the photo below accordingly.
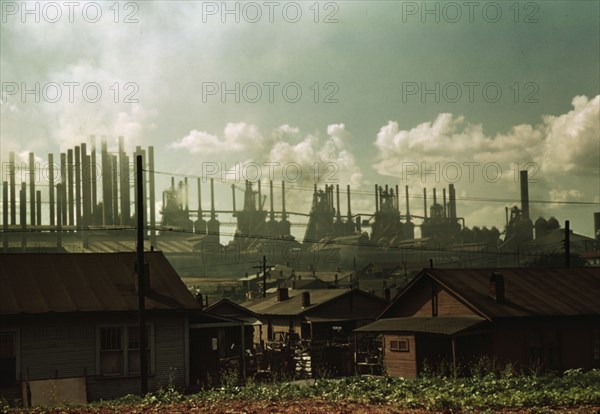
(73, 319)
(319, 321)
(547, 317)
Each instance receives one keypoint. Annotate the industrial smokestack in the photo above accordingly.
(597, 225)
(452, 202)
(51, 189)
(107, 215)
(23, 205)
(145, 184)
(38, 208)
(85, 186)
(152, 193)
(78, 186)
(434, 197)
(397, 198)
(124, 182)
(212, 199)
(13, 200)
(407, 204)
(70, 195)
(337, 196)
(63, 188)
(260, 206)
(200, 223)
(376, 198)
(283, 211)
(114, 175)
(444, 194)
(348, 196)
(5, 215)
(425, 202)
(232, 196)
(59, 217)
(567, 243)
(185, 194)
(525, 193)
(32, 189)
(199, 199)
(272, 213)
(94, 191)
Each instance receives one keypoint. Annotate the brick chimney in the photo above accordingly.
(305, 299)
(282, 294)
(497, 287)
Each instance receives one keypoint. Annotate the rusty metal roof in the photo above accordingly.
(86, 282)
(318, 297)
(293, 305)
(443, 325)
(528, 291)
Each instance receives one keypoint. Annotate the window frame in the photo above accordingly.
(398, 347)
(125, 350)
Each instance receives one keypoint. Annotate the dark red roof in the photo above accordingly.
(528, 291)
(37, 283)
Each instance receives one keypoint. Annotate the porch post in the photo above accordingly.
(454, 356)
(243, 330)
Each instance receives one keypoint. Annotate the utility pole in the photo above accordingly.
(567, 243)
(141, 270)
(264, 268)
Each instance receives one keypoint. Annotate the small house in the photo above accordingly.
(548, 317)
(70, 322)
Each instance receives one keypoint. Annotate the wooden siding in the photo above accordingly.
(399, 363)
(418, 302)
(65, 347)
(570, 339)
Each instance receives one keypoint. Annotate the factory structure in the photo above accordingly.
(90, 208)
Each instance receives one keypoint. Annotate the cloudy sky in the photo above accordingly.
(390, 92)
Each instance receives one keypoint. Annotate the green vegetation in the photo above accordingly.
(491, 392)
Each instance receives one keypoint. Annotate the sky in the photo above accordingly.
(422, 94)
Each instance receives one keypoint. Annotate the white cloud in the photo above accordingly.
(236, 138)
(556, 149)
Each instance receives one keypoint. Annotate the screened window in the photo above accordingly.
(133, 349)
(111, 351)
(399, 345)
(119, 350)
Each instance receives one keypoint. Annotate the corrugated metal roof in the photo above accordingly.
(293, 305)
(86, 282)
(444, 325)
(528, 291)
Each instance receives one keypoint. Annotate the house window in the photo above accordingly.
(133, 349)
(399, 345)
(119, 350)
(111, 351)
(8, 358)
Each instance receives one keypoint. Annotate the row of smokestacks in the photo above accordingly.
(73, 183)
(387, 199)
